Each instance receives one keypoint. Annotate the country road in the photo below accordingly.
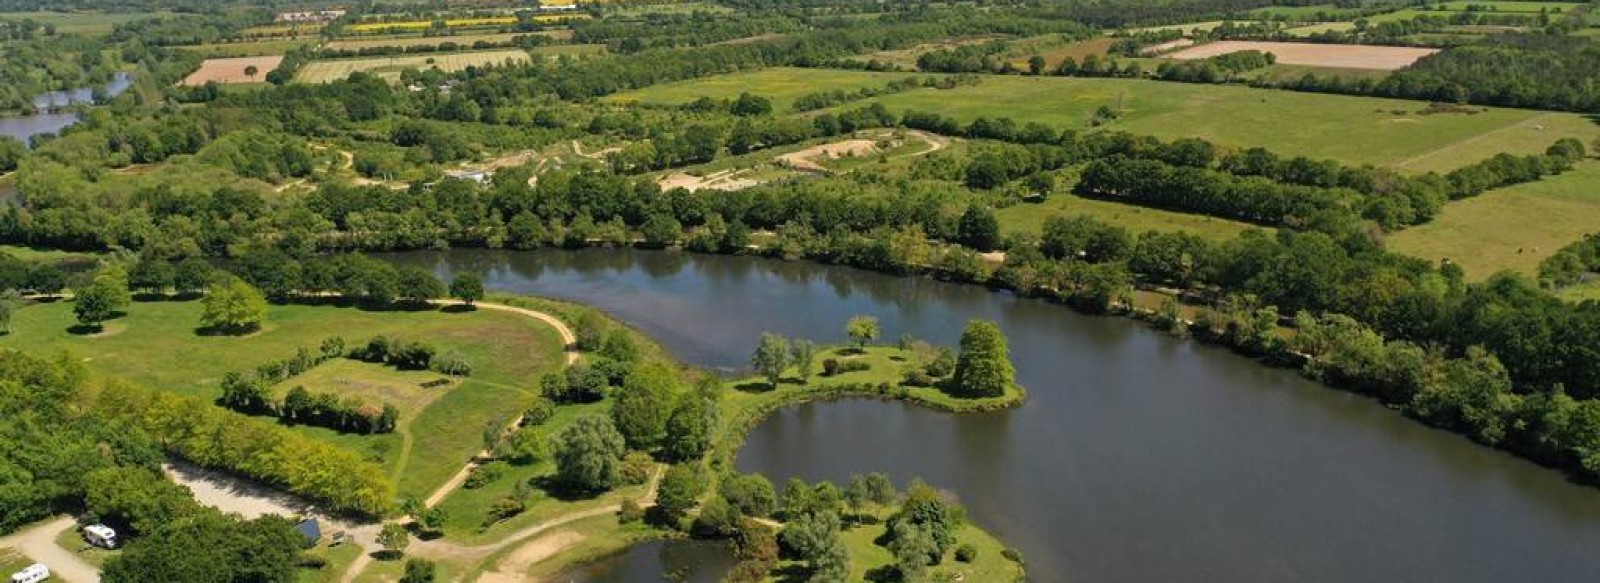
(38, 542)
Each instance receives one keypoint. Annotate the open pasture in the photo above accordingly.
(155, 344)
(1319, 55)
(1354, 130)
(351, 44)
(90, 23)
(232, 70)
(1512, 228)
(252, 48)
(390, 67)
(1053, 56)
(363, 27)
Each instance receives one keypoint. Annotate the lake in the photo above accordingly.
(1138, 457)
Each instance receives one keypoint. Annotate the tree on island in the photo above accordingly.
(983, 369)
(644, 404)
(770, 358)
(232, 306)
(862, 329)
(803, 353)
(467, 287)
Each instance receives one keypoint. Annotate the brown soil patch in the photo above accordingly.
(806, 160)
(726, 180)
(515, 566)
(232, 70)
(1316, 55)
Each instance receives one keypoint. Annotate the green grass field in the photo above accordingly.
(248, 48)
(1513, 228)
(782, 85)
(1516, 6)
(92, 23)
(1030, 217)
(390, 67)
(156, 345)
(1354, 130)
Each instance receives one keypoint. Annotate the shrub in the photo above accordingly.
(539, 411)
(452, 364)
(830, 367)
(482, 475)
(636, 467)
(966, 553)
(631, 512)
(1013, 555)
(942, 365)
(853, 366)
(412, 356)
(917, 378)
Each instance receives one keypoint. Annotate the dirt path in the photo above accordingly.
(577, 148)
(567, 336)
(38, 542)
(535, 548)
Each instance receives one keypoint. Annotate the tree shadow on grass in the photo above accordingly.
(754, 387)
(563, 492)
(458, 309)
(222, 331)
(85, 329)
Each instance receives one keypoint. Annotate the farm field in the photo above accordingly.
(359, 43)
(156, 345)
(249, 48)
(1518, 6)
(1030, 217)
(370, 27)
(781, 84)
(1513, 228)
(232, 70)
(1321, 27)
(1354, 130)
(1320, 55)
(1077, 51)
(390, 67)
(908, 57)
(92, 23)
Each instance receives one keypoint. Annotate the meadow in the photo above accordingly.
(90, 23)
(155, 344)
(390, 67)
(358, 43)
(1354, 130)
(1512, 228)
(1030, 217)
(249, 48)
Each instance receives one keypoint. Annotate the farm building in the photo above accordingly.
(310, 16)
(100, 535)
(311, 530)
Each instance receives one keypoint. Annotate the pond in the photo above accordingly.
(46, 121)
(1138, 457)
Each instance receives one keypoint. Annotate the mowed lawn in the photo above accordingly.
(1513, 228)
(1354, 130)
(156, 345)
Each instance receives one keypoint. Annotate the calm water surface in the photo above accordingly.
(1137, 457)
(45, 122)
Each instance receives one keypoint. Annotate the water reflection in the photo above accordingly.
(1138, 457)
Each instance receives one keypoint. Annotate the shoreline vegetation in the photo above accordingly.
(860, 370)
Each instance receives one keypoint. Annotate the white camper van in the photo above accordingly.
(100, 535)
(33, 574)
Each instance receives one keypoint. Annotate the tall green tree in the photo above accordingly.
(232, 306)
(804, 355)
(983, 369)
(467, 287)
(690, 427)
(770, 358)
(10, 302)
(589, 454)
(644, 404)
(679, 492)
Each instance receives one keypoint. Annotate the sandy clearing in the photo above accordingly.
(1316, 55)
(232, 70)
(806, 160)
(38, 542)
(726, 180)
(513, 568)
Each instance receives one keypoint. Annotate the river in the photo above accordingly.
(1138, 457)
(48, 122)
